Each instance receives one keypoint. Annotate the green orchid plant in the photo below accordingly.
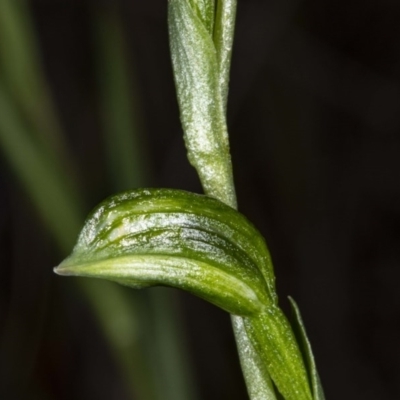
(201, 243)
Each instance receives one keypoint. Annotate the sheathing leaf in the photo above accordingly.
(169, 237)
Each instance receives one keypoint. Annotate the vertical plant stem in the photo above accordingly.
(201, 60)
(257, 379)
(197, 82)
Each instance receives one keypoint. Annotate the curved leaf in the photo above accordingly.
(170, 237)
(193, 242)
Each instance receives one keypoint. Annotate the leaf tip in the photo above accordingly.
(64, 269)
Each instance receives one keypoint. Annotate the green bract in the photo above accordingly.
(169, 237)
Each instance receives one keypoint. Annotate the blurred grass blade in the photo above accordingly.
(21, 70)
(63, 218)
(305, 347)
(167, 343)
(38, 174)
(223, 41)
(119, 105)
(125, 331)
(31, 140)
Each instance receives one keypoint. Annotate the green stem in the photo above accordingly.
(259, 384)
(252, 332)
(201, 60)
(257, 379)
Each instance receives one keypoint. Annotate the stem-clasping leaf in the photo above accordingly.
(151, 237)
(168, 237)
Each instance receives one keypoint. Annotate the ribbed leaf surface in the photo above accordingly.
(193, 242)
(170, 237)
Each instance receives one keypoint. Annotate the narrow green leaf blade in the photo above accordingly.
(195, 64)
(168, 237)
(300, 331)
(275, 343)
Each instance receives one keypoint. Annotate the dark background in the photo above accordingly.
(314, 121)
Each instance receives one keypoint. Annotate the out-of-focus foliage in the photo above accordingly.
(37, 154)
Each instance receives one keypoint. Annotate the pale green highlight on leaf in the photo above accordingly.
(139, 271)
